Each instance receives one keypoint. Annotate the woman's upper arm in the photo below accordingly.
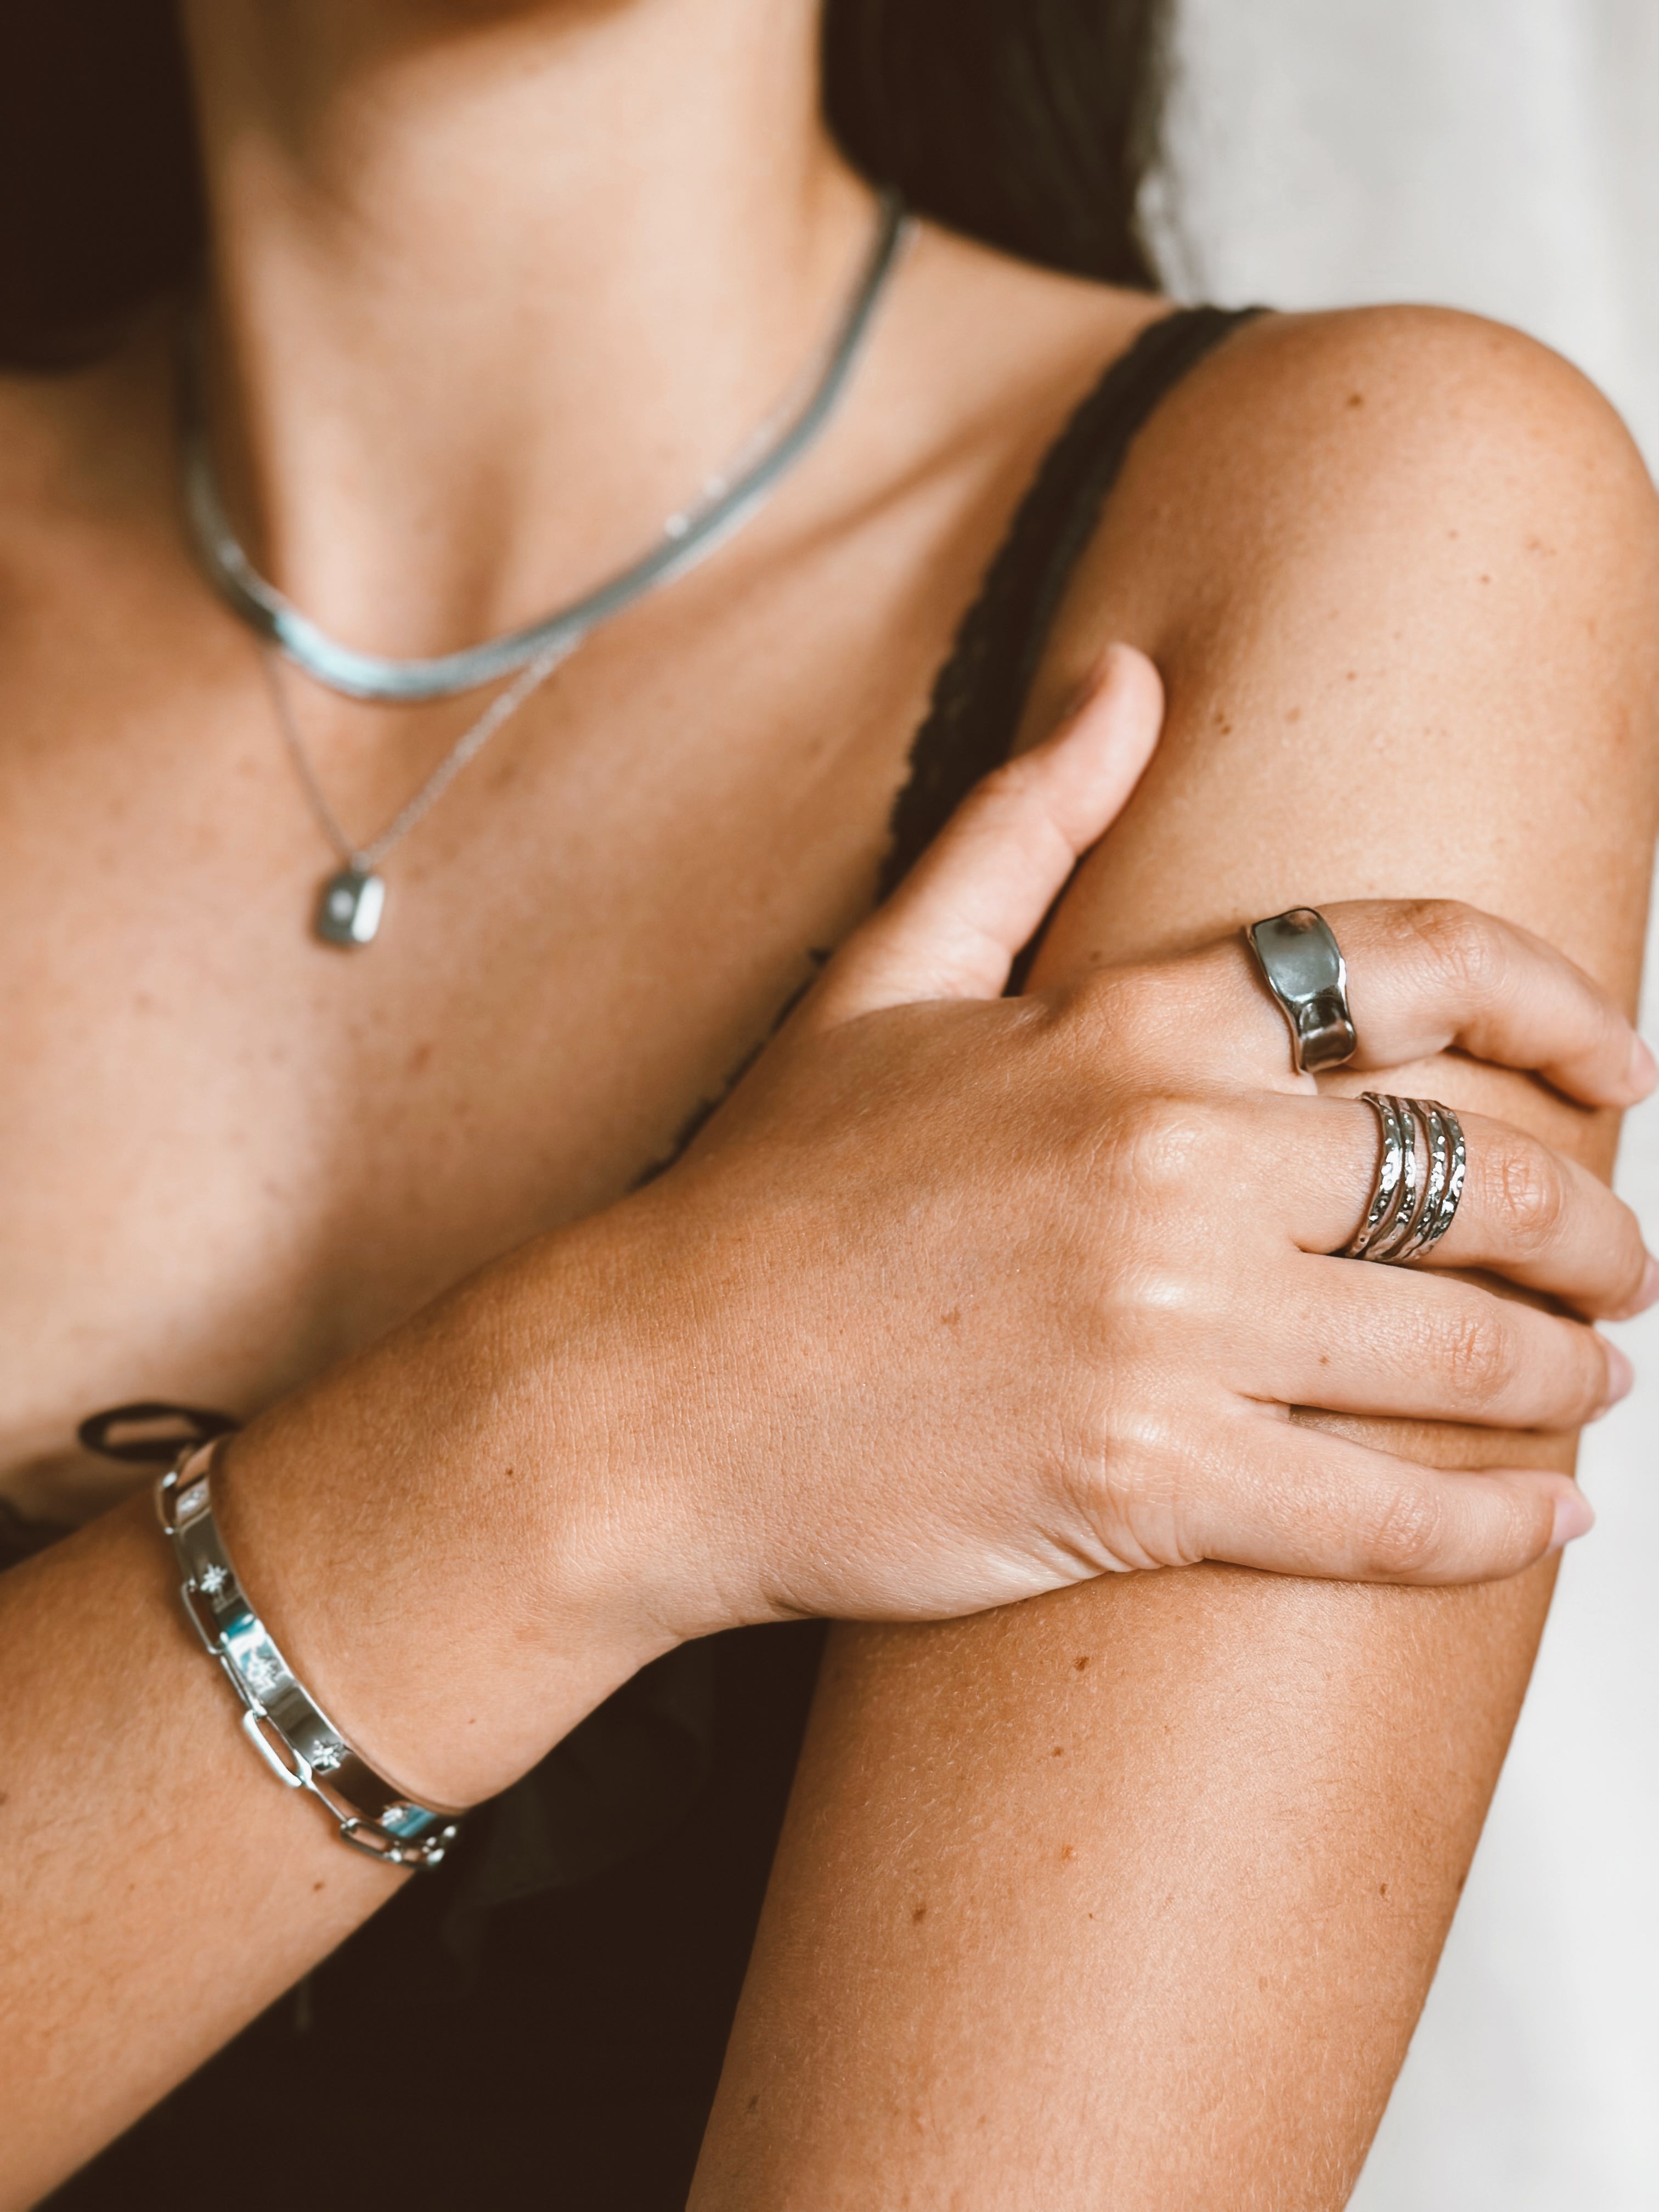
(1399, 569)
(1131, 1895)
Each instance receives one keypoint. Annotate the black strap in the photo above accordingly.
(151, 1432)
(980, 693)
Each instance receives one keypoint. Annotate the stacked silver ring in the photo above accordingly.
(1413, 1201)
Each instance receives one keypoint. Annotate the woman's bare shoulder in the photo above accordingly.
(1383, 478)
(1418, 433)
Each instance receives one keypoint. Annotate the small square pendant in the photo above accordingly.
(349, 910)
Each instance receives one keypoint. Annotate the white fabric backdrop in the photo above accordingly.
(1501, 155)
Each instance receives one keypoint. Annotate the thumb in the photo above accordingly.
(978, 894)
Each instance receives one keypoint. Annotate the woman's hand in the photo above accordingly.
(1000, 1294)
(958, 1299)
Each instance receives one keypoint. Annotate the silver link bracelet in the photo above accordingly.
(297, 1740)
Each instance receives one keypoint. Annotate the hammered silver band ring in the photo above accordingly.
(1413, 1200)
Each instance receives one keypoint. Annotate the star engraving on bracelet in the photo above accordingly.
(263, 1671)
(212, 1579)
(327, 1757)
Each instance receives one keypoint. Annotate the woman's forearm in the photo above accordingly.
(157, 1888)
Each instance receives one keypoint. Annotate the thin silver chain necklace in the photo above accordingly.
(352, 902)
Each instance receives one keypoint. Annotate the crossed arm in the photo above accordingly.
(1150, 1927)
(1131, 1895)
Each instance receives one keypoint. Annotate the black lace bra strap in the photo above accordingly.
(980, 696)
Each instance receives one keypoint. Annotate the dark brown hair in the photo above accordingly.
(1026, 123)
(1029, 123)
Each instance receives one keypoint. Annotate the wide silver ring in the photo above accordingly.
(1302, 965)
(1412, 1203)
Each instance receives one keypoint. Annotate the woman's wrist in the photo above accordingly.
(457, 1536)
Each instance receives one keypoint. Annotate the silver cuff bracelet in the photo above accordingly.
(296, 1740)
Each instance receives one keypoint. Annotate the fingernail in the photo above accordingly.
(1573, 1518)
(1620, 1374)
(1643, 1068)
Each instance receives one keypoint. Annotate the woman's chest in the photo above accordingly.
(229, 1152)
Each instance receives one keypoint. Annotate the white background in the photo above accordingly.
(1501, 155)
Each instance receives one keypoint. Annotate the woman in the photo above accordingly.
(1127, 1894)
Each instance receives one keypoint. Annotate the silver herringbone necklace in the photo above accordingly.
(352, 901)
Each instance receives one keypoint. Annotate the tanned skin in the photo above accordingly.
(1399, 571)
(1398, 574)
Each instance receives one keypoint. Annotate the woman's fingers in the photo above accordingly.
(1526, 1212)
(1295, 1500)
(1351, 1338)
(1425, 975)
(976, 897)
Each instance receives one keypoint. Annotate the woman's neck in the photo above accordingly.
(494, 287)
